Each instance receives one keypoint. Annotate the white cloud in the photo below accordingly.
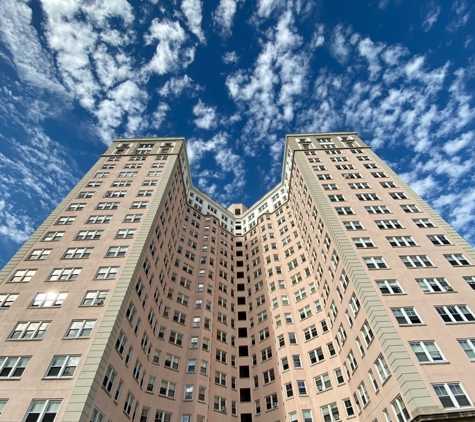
(192, 9)
(431, 18)
(170, 55)
(230, 57)
(224, 15)
(230, 171)
(206, 116)
(339, 44)
(452, 147)
(33, 64)
(158, 117)
(266, 7)
(175, 86)
(460, 14)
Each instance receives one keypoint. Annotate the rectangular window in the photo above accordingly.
(12, 367)
(48, 300)
(401, 241)
(457, 260)
(389, 287)
(468, 346)
(455, 313)
(375, 262)
(416, 261)
(62, 367)
(34, 330)
(388, 224)
(99, 219)
(434, 285)
(452, 395)
(42, 410)
(427, 352)
(38, 254)
(406, 316)
(95, 298)
(80, 328)
(22, 276)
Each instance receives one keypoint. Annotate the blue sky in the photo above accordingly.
(233, 77)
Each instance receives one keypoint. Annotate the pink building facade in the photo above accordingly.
(340, 295)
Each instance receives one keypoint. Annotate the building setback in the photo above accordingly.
(339, 295)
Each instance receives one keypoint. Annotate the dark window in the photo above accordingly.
(242, 316)
(242, 332)
(243, 351)
(245, 394)
(244, 371)
(241, 287)
(238, 243)
(240, 274)
(246, 417)
(241, 300)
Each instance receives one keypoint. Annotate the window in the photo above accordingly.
(382, 368)
(133, 218)
(389, 287)
(22, 276)
(167, 389)
(363, 393)
(339, 376)
(62, 367)
(401, 241)
(378, 209)
(379, 174)
(6, 300)
(455, 313)
(39, 254)
(95, 298)
(65, 220)
(220, 404)
(322, 382)
(81, 328)
(336, 198)
(359, 185)
(344, 211)
(434, 285)
(367, 333)
(406, 316)
(42, 411)
(272, 402)
(468, 346)
(410, 208)
(297, 361)
(106, 273)
(452, 395)
(423, 223)
(316, 355)
(85, 195)
(76, 207)
(375, 262)
(330, 413)
(188, 393)
(416, 261)
(162, 416)
(99, 219)
(129, 402)
(398, 195)
(34, 330)
(107, 205)
(13, 367)
(53, 236)
(109, 379)
(352, 361)
(388, 224)
(399, 409)
(457, 260)
(368, 197)
(353, 225)
(89, 235)
(348, 408)
(48, 300)
(427, 351)
(363, 242)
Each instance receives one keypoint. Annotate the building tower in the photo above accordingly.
(339, 295)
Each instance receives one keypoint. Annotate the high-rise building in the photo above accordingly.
(339, 295)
